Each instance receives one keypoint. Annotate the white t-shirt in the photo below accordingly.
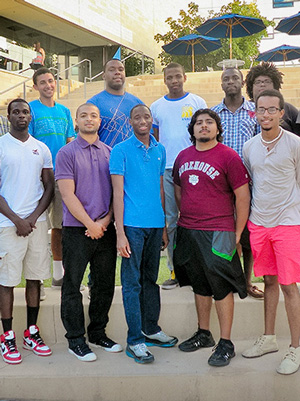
(21, 165)
(276, 180)
(172, 117)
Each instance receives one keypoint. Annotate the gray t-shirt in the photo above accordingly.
(276, 180)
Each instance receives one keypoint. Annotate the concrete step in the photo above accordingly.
(151, 87)
(174, 375)
(248, 320)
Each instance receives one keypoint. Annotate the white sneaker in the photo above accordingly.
(290, 362)
(42, 292)
(9, 350)
(263, 345)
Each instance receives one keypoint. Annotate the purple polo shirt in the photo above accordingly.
(88, 166)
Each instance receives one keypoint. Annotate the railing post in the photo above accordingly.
(143, 64)
(24, 91)
(84, 88)
(68, 85)
(90, 68)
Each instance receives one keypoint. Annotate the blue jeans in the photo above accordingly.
(141, 297)
(171, 214)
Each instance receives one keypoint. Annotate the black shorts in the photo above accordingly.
(202, 261)
(245, 239)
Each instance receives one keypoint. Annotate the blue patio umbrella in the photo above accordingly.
(192, 44)
(281, 53)
(231, 26)
(290, 25)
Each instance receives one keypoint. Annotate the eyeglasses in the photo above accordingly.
(258, 82)
(270, 110)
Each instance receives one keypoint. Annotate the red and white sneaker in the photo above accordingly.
(34, 342)
(9, 350)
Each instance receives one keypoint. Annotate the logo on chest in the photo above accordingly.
(193, 179)
(35, 152)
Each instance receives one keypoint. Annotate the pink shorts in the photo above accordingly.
(276, 252)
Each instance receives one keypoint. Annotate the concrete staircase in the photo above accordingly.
(65, 88)
(150, 87)
(174, 376)
(205, 84)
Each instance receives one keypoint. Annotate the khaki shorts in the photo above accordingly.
(29, 255)
(55, 210)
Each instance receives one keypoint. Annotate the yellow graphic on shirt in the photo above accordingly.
(187, 112)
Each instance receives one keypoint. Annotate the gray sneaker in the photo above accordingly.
(139, 353)
(56, 283)
(160, 339)
(170, 284)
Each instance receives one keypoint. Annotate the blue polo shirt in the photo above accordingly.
(142, 169)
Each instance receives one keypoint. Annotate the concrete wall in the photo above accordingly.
(131, 23)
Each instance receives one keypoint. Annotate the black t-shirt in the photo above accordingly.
(289, 119)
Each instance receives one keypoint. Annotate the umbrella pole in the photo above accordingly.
(230, 41)
(193, 59)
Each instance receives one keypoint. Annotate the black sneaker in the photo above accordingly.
(83, 352)
(222, 354)
(197, 341)
(106, 343)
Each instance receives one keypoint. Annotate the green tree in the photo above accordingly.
(133, 64)
(243, 48)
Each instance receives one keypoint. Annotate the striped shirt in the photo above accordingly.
(239, 126)
(4, 125)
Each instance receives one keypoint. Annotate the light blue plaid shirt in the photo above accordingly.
(4, 125)
(239, 126)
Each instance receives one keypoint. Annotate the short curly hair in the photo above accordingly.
(263, 69)
(271, 93)
(213, 115)
(18, 100)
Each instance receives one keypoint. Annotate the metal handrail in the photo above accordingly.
(58, 72)
(25, 69)
(14, 86)
(21, 83)
(102, 72)
(72, 66)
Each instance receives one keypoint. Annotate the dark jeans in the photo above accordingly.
(78, 251)
(141, 296)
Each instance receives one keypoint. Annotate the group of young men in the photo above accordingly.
(124, 189)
